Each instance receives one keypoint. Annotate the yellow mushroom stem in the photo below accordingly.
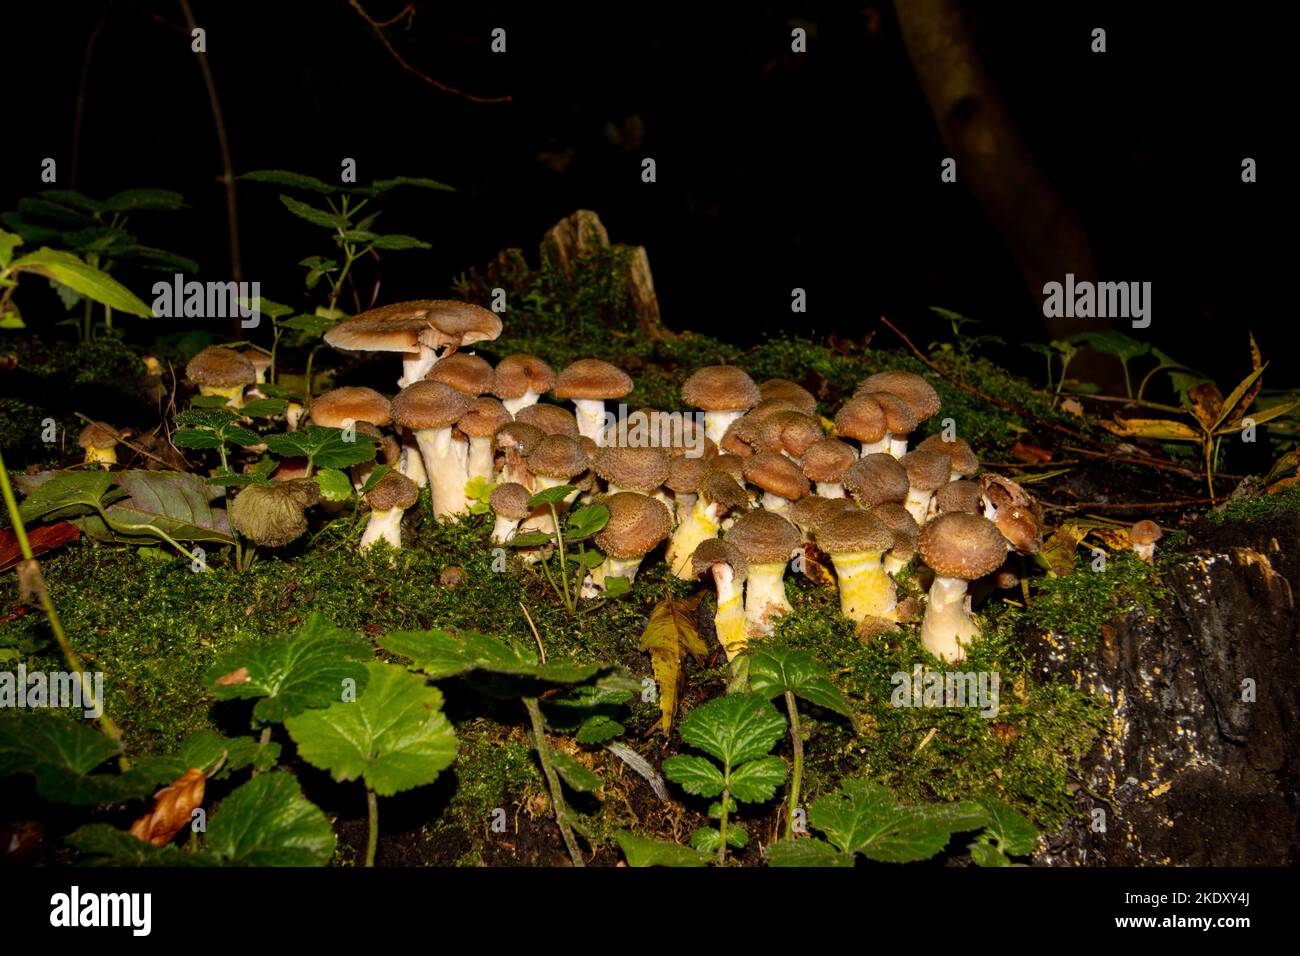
(700, 525)
(729, 619)
(765, 597)
(101, 456)
(865, 589)
(234, 394)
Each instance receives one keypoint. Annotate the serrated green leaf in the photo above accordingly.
(264, 407)
(9, 241)
(268, 822)
(440, 654)
(176, 503)
(38, 737)
(585, 522)
(862, 817)
(644, 851)
(531, 539)
(1110, 342)
(394, 736)
(774, 669)
(597, 730)
(283, 177)
(82, 277)
(789, 853)
(309, 324)
(550, 496)
(105, 845)
(1013, 833)
(130, 200)
(575, 774)
(756, 781)
(69, 493)
(317, 217)
(334, 485)
(695, 775)
(734, 728)
(397, 243)
(383, 185)
(985, 854)
(325, 447)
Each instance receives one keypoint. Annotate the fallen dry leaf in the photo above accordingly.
(1030, 454)
(239, 676)
(45, 538)
(669, 636)
(172, 809)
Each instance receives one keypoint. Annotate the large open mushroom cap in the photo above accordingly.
(901, 525)
(776, 474)
(908, 386)
(827, 459)
(466, 373)
(551, 419)
(405, 326)
(861, 419)
(800, 398)
(636, 524)
(516, 375)
(684, 474)
(485, 416)
(852, 531)
(510, 500)
(926, 471)
(394, 490)
(806, 512)
(426, 405)
(959, 496)
(713, 551)
(218, 367)
(519, 436)
(900, 417)
(875, 479)
(634, 469)
(339, 406)
(764, 537)
(591, 378)
(960, 456)
(720, 388)
(558, 456)
(961, 545)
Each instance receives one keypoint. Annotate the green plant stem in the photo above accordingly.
(151, 529)
(372, 804)
(552, 780)
(1128, 384)
(722, 820)
(569, 603)
(796, 778)
(106, 724)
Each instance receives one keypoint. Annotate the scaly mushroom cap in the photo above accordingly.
(958, 495)
(515, 375)
(908, 386)
(631, 469)
(961, 545)
(777, 474)
(1015, 512)
(900, 417)
(260, 361)
(764, 537)
(852, 531)
(713, 551)
(862, 419)
(558, 456)
(720, 388)
(828, 459)
(901, 525)
(789, 432)
(101, 435)
(273, 515)
(484, 418)
(799, 397)
(519, 436)
(510, 500)
(1145, 532)
(339, 406)
(875, 479)
(682, 435)
(833, 508)
(961, 457)
(718, 487)
(592, 379)
(405, 326)
(806, 512)
(429, 405)
(684, 474)
(741, 437)
(926, 471)
(218, 367)
(551, 419)
(464, 372)
(637, 523)
(394, 490)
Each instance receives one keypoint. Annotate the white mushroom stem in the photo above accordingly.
(416, 364)
(830, 489)
(540, 519)
(1147, 552)
(865, 589)
(445, 464)
(293, 416)
(411, 464)
(765, 598)
(613, 567)
(386, 525)
(700, 525)
(481, 458)
(503, 529)
(775, 503)
(590, 413)
(892, 564)
(897, 445)
(948, 627)
(682, 506)
(729, 619)
(514, 405)
(877, 447)
(918, 503)
(716, 423)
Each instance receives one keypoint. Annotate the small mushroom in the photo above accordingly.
(1143, 537)
(556, 460)
(221, 371)
(274, 514)
(716, 495)
(825, 462)
(961, 457)
(480, 425)
(388, 500)
(430, 409)
(520, 380)
(642, 470)
(353, 407)
(516, 441)
(960, 495)
(588, 383)
(509, 502)
(724, 392)
(927, 472)
(100, 443)
(912, 389)
(904, 528)
(550, 419)
(637, 525)
(875, 479)
(464, 372)
(856, 542)
(728, 568)
(781, 480)
(960, 548)
(767, 542)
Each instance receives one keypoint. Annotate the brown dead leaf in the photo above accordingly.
(1030, 454)
(239, 676)
(1060, 548)
(1114, 538)
(813, 565)
(1205, 402)
(45, 538)
(172, 809)
(669, 636)
(1071, 406)
(1243, 402)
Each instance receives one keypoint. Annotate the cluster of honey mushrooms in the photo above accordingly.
(734, 491)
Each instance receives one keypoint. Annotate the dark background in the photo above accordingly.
(774, 170)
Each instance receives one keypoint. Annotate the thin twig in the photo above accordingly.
(80, 108)
(533, 627)
(1132, 505)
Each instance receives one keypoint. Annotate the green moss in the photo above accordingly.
(1076, 605)
(494, 769)
(1259, 507)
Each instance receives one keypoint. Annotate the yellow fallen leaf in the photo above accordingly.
(1159, 428)
(669, 636)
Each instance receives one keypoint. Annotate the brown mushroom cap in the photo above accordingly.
(789, 432)
(732, 465)
(519, 437)
(510, 500)
(828, 459)
(875, 479)
(405, 326)
(632, 469)
(862, 419)
(908, 386)
(558, 456)
(961, 545)
(799, 397)
(1145, 532)
(394, 490)
(741, 437)
(833, 508)
(720, 388)
(900, 417)
(484, 418)
(98, 435)
(901, 525)
(718, 487)
(851, 531)
(260, 361)
(464, 372)
(637, 523)
(764, 537)
(218, 367)
(592, 379)
(515, 375)
(926, 471)
(681, 435)
(274, 514)
(429, 405)
(551, 419)
(961, 457)
(806, 512)
(339, 406)
(776, 474)
(713, 551)
(959, 496)
(684, 474)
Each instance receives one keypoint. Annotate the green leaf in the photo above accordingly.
(69, 493)
(9, 241)
(575, 774)
(1114, 343)
(264, 407)
(268, 822)
(695, 775)
(129, 200)
(862, 817)
(394, 736)
(317, 217)
(316, 325)
(283, 177)
(440, 654)
(43, 208)
(734, 728)
(806, 853)
(986, 854)
(383, 185)
(86, 279)
(326, 447)
(70, 197)
(774, 669)
(531, 539)
(551, 496)
(1013, 833)
(176, 503)
(617, 587)
(293, 672)
(597, 730)
(396, 243)
(708, 839)
(42, 738)
(105, 845)
(585, 522)
(644, 851)
(756, 781)
(334, 485)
